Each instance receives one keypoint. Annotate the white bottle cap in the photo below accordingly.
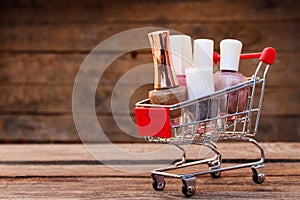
(203, 53)
(181, 51)
(230, 54)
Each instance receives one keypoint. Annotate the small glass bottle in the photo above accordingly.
(181, 51)
(166, 87)
(200, 83)
(229, 76)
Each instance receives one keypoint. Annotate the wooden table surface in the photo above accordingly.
(47, 171)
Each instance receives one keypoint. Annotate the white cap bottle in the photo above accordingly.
(199, 79)
(181, 51)
(230, 54)
(228, 76)
(203, 53)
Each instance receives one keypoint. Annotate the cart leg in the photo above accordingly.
(158, 182)
(257, 145)
(258, 175)
(215, 164)
(188, 185)
(183, 160)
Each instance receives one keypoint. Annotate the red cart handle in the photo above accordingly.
(267, 56)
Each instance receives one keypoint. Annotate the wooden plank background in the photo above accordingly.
(43, 43)
(50, 171)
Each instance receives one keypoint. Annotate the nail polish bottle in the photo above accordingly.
(181, 50)
(200, 80)
(166, 87)
(228, 76)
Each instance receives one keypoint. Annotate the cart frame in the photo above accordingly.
(238, 126)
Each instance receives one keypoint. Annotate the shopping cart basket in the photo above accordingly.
(213, 124)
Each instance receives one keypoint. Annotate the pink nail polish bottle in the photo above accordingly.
(228, 76)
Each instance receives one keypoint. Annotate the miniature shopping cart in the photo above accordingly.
(213, 124)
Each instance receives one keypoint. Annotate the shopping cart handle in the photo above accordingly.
(267, 56)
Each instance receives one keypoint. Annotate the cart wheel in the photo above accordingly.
(188, 191)
(212, 166)
(258, 178)
(188, 185)
(216, 174)
(158, 185)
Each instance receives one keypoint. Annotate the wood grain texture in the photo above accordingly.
(61, 69)
(82, 169)
(84, 37)
(42, 45)
(51, 153)
(75, 161)
(124, 11)
(140, 188)
(61, 128)
(46, 178)
(58, 99)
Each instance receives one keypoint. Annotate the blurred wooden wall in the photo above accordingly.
(43, 43)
